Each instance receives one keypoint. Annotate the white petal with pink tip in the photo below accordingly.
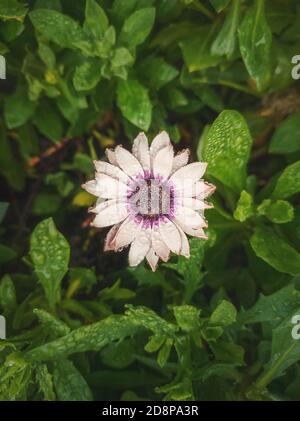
(128, 230)
(188, 216)
(109, 187)
(129, 164)
(180, 160)
(140, 150)
(159, 142)
(192, 172)
(152, 259)
(140, 247)
(112, 171)
(170, 235)
(112, 214)
(159, 246)
(163, 162)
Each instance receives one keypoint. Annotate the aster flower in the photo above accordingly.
(151, 198)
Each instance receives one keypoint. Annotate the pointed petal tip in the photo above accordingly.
(186, 255)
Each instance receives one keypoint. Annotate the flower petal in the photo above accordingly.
(113, 213)
(128, 231)
(110, 153)
(207, 191)
(194, 203)
(109, 243)
(152, 259)
(112, 170)
(139, 247)
(129, 164)
(163, 162)
(193, 231)
(91, 187)
(99, 205)
(110, 188)
(185, 245)
(160, 141)
(188, 216)
(170, 235)
(140, 150)
(159, 246)
(187, 188)
(180, 160)
(192, 172)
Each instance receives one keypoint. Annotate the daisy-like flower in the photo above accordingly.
(151, 198)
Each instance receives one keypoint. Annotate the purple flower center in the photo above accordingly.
(151, 199)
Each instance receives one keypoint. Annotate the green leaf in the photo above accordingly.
(255, 38)
(155, 342)
(157, 71)
(288, 182)
(104, 48)
(93, 337)
(137, 27)
(187, 317)
(286, 138)
(279, 212)
(285, 352)
(61, 181)
(274, 307)
(226, 40)
(219, 5)
(191, 269)
(212, 333)
(118, 355)
(49, 122)
(134, 102)
(18, 109)
(245, 207)
(8, 299)
(227, 148)
(54, 326)
(196, 49)
(224, 314)
(95, 19)
(275, 251)
(50, 253)
(143, 316)
(45, 382)
(57, 27)
(47, 55)
(228, 352)
(121, 57)
(70, 385)
(46, 204)
(87, 75)
(164, 352)
(221, 370)
(12, 9)
(15, 374)
(81, 278)
(48, 4)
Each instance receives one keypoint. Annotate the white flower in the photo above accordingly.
(151, 198)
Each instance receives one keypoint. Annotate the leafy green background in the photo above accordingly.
(83, 75)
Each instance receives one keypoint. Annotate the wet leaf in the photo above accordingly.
(50, 253)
